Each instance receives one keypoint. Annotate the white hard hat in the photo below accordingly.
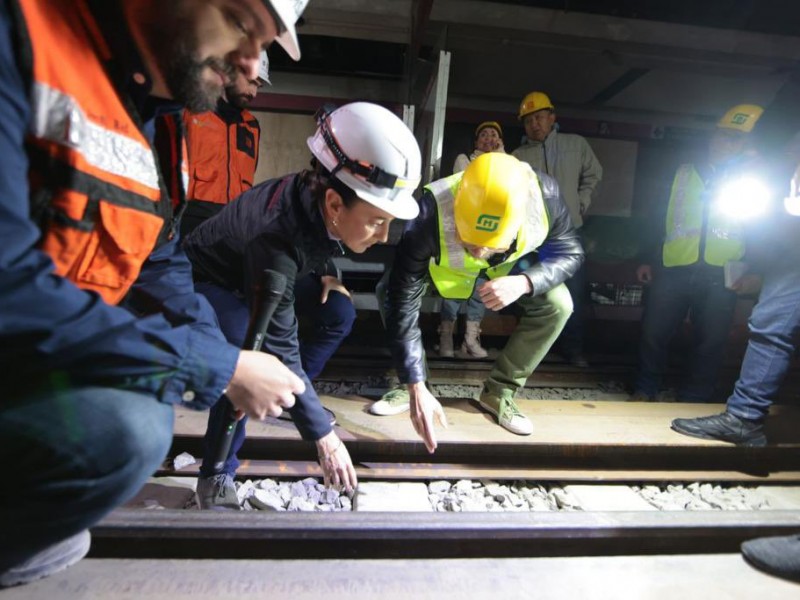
(288, 12)
(263, 68)
(371, 151)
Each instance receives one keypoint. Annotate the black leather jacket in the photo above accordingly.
(556, 260)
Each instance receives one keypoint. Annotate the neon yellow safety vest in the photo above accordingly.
(456, 272)
(723, 236)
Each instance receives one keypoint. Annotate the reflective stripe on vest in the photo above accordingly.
(456, 272)
(684, 226)
(93, 172)
(59, 118)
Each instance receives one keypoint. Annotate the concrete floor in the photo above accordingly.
(723, 576)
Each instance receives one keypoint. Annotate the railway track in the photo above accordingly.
(279, 452)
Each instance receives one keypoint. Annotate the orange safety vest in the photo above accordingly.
(223, 155)
(96, 189)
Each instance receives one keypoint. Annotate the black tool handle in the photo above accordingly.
(266, 298)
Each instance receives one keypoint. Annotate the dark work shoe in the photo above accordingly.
(779, 556)
(51, 560)
(217, 492)
(724, 427)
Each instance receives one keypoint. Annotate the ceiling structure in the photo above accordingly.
(660, 63)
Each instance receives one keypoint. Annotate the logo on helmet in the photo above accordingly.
(740, 118)
(487, 223)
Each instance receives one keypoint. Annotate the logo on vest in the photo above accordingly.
(487, 223)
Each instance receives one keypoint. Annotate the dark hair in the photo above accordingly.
(319, 180)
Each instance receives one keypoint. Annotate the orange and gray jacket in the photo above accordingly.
(96, 191)
(92, 221)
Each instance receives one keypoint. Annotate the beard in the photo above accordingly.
(185, 77)
(183, 72)
(240, 101)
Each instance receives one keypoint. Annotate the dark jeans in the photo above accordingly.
(675, 291)
(331, 322)
(774, 334)
(76, 455)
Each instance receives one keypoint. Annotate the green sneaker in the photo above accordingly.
(393, 402)
(507, 412)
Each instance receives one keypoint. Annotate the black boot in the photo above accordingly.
(778, 556)
(724, 427)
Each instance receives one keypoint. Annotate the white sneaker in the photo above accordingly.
(508, 414)
(393, 402)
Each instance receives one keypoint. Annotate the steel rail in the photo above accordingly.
(409, 471)
(204, 534)
(759, 462)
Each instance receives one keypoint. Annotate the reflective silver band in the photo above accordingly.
(57, 117)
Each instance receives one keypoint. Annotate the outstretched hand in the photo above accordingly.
(425, 409)
(337, 466)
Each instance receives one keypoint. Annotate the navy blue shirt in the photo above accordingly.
(164, 340)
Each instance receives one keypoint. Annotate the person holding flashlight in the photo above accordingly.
(699, 238)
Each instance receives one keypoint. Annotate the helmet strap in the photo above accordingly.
(371, 173)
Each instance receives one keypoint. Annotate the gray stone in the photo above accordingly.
(266, 500)
(539, 505)
(298, 504)
(245, 490)
(330, 496)
(183, 460)
(298, 490)
(464, 486)
(314, 496)
(439, 487)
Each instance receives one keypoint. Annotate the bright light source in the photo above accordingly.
(792, 205)
(743, 198)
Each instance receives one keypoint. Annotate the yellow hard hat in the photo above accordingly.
(533, 102)
(741, 117)
(489, 124)
(490, 203)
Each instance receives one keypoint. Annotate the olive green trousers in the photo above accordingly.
(541, 320)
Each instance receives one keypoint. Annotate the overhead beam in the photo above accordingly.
(688, 38)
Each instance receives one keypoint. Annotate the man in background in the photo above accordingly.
(223, 149)
(569, 159)
(685, 271)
